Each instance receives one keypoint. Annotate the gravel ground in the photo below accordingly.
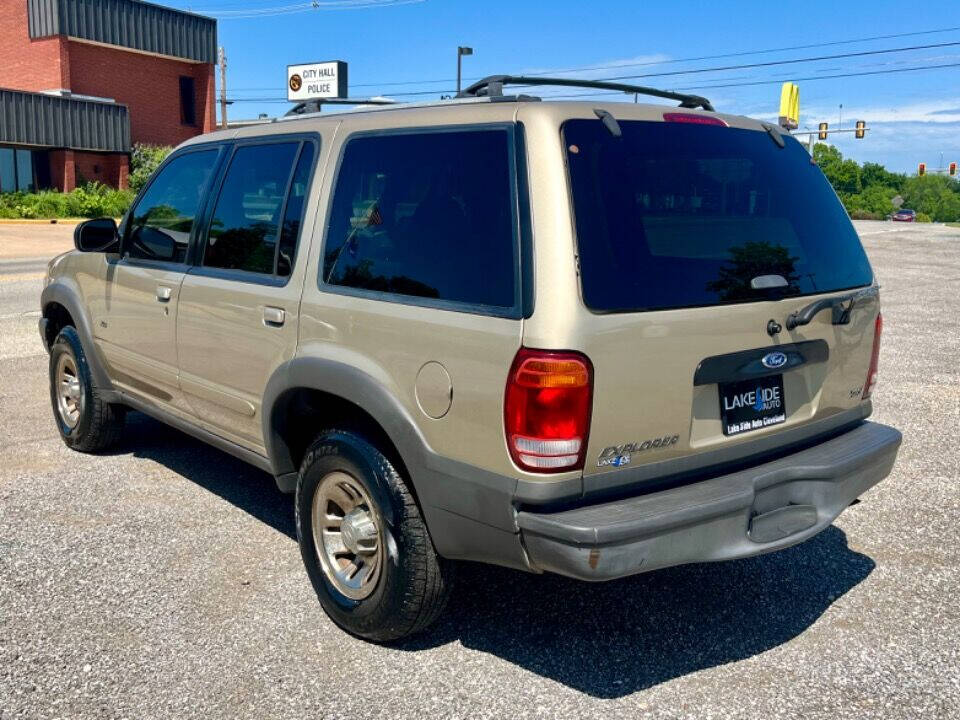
(164, 579)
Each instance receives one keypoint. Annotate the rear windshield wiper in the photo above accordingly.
(774, 132)
(841, 306)
(609, 122)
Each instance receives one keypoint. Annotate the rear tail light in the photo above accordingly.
(871, 382)
(547, 410)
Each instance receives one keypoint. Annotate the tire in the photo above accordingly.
(87, 423)
(406, 585)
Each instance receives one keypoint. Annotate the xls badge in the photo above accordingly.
(620, 455)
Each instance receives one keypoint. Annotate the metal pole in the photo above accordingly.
(461, 51)
(223, 87)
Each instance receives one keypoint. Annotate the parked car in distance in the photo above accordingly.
(903, 215)
(588, 338)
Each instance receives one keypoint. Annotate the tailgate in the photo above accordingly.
(658, 380)
(696, 242)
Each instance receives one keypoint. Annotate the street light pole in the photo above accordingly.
(461, 51)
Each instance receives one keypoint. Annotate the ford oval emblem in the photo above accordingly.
(774, 360)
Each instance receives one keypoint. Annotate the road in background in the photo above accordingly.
(164, 579)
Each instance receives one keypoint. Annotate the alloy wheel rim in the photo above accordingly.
(346, 534)
(69, 390)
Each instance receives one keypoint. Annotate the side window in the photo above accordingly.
(426, 215)
(246, 222)
(163, 218)
(293, 215)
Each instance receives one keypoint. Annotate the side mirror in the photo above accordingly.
(98, 235)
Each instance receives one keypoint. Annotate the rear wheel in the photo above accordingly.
(86, 422)
(364, 543)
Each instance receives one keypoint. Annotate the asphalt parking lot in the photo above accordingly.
(164, 579)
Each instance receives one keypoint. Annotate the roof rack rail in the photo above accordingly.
(492, 85)
(313, 106)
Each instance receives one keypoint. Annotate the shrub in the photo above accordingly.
(865, 215)
(143, 161)
(90, 200)
(923, 217)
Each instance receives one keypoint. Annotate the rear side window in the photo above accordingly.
(675, 215)
(163, 218)
(293, 214)
(251, 216)
(427, 215)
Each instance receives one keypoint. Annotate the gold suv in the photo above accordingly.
(590, 338)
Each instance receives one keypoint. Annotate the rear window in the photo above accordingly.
(674, 215)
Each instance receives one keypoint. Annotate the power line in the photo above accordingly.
(610, 66)
(772, 81)
(830, 77)
(697, 87)
(303, 7)
(792, 61)
(694, 71)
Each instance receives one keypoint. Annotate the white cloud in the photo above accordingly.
(595, 71)
(926, 111)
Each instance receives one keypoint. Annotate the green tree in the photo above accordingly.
(867, 191)
(844, 175)
(143, 161)
(933, 195)
(876, 174)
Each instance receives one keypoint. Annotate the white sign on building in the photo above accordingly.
(317, 80)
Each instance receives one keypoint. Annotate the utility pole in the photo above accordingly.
(222, 60)
(461, 51)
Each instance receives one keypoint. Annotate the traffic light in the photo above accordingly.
(952, 171)
(861, 130)
(823, 131)
(921, 169)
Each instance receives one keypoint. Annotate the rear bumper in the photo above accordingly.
(763, 508)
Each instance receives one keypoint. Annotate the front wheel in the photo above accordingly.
(86, 422)
(364, 542)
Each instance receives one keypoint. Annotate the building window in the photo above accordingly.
(16, 170)
(188, 102)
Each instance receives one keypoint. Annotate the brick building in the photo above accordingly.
(82, 80)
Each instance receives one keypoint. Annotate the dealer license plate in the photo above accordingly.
(752, 404)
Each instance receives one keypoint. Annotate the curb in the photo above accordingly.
(53, 221)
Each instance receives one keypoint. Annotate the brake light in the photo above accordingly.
(874, 359)
(694, 119)
(547, 410)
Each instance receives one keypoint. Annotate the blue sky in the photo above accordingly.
(914, 115)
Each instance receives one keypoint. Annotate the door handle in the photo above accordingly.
(273, 316)
(164, 293)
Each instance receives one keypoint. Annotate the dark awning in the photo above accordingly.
(61, 122)
(127, 23)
